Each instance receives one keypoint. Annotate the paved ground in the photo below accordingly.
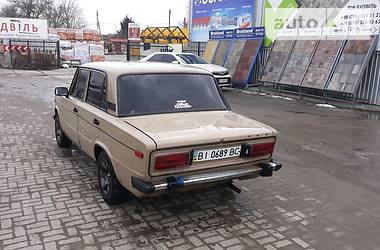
(326, 197)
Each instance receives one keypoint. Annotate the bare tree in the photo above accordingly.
(8, 11)
(59, 13)
(27, 8)
(71, 14)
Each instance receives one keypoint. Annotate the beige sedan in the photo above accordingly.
(156, 128)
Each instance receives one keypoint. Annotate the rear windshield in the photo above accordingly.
(167, 93)
(192, 59)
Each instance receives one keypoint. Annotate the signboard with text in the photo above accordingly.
(217, 15)
(134, 31)
(245, 33)
(364, 13)
(24, 29)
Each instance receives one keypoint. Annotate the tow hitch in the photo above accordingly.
(269, 167)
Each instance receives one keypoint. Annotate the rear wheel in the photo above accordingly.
(60, 136)
(112, 191)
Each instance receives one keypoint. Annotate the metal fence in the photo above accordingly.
(369, 90)
(30, 54)
(197, 48)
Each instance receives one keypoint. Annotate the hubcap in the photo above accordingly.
(105, 177)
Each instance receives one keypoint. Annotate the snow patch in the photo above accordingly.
(323, 105)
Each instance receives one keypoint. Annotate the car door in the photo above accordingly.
(92, 112)
(68, 112)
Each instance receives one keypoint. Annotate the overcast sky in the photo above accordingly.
(145, 12)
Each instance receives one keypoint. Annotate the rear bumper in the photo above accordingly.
(265, 170)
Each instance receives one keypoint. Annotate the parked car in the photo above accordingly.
(220, 73)
(159, 128)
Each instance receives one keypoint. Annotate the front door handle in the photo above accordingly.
(96, 122)
(75, 110)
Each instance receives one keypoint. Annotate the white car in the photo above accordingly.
(220, 73)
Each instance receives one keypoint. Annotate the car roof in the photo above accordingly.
(173, 53)
(125, 68)
(115, 69)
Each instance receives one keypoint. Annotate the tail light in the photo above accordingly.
(172, 161)
(262, 149)
(259, 149)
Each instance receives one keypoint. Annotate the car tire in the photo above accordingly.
(112, 191)
(60, 136)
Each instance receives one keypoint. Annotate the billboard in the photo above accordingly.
(23, 28)
(211, 15)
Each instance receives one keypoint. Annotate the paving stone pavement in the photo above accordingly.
(49, 199)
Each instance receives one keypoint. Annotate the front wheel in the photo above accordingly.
(60, 136)
(112, 191)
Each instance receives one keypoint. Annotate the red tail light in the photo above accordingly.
(262, 149)
(172, 161)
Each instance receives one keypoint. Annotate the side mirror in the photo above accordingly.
(61, 91)
(175, 62)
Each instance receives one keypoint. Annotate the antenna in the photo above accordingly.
(97, 22)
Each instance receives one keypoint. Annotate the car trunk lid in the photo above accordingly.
(198, 128)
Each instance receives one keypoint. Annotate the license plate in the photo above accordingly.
(216, 154)
(223, 80)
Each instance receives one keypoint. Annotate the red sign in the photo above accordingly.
(19, 48)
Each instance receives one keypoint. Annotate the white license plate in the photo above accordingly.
(216, 154)
(223, 80)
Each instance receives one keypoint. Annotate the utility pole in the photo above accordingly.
(128, 45)
(97, 22)
(170, 13)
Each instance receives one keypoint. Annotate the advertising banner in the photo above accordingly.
(244, 33)
(249, 33)
(362, 12)
(276, 10)
(211, 15)
(134, 31)
(23, 29)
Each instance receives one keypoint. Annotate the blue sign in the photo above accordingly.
(246, 33)
(216, 15)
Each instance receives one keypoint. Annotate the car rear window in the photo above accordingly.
(167, 93)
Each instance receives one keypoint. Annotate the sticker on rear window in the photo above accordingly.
(182, 104)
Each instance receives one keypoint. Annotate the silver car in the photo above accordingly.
(220, 73)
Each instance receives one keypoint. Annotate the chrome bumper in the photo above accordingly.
(178, 182)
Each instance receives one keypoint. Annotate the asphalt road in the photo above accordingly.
(326, 197)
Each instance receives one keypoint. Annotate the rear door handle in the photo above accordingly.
(96, 122)
(75, 110)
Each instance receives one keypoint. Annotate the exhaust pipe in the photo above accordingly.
(233, 187)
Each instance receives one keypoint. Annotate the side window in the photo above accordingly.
(155, 58)
(162, 58)
(78, 88)
(168, 58)
(96, 93)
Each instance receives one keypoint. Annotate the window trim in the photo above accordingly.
(76, 78)
(106, 87)
(219, 89)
